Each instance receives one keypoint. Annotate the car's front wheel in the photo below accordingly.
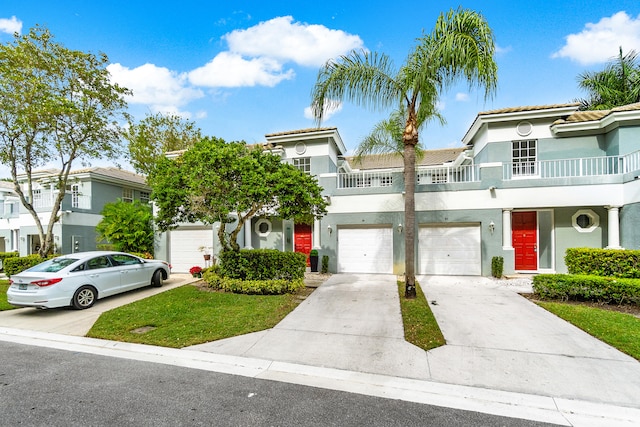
(84, 297)
(157, 280)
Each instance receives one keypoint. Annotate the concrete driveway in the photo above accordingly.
(500, 340)
(67, 321)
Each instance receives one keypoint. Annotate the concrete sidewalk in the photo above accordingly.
(499, 340)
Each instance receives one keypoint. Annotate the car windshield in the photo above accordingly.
(52, 265)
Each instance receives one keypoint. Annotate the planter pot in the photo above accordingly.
(314, 263)
(207, 257)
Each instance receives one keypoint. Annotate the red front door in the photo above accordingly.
(302, 239)
(524, 238)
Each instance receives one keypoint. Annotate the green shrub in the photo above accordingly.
(253, 287)
(325, 264)
(262, 264)
(568, 287)
(497, 266)
(15, 265)
(603, 262)
(313, 252)
(5, 255)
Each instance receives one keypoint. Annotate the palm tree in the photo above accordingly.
(461, 45)
(386, 137)
(618, 84)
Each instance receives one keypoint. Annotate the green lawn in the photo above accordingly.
(186, 316)
(4, 305)
(420, 326)
(619, 330)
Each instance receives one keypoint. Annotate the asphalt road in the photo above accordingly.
(42, 386)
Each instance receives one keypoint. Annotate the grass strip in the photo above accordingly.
(187, 316)
(619, 330)
(4, 305)
(420, 326)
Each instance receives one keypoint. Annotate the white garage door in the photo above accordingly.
(365, 250)
(450, 250)
(185, 246)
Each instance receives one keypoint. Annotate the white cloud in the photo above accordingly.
(11, 25)
(162, 89)
(232, 70)
(601, 41)
(329, 110)
(285, 40)
(462, 97)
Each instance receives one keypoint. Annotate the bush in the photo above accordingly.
(253, 287)
(497, 266)
(325, 264)
(603, 262)
(5, 255)
(606, 290)
(262, 264)
(15, 265)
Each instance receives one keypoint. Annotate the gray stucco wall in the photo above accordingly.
(568, 237)
(629, 226)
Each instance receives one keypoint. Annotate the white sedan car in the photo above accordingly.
(80, 279)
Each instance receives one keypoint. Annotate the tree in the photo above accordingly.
(156, 135)
(386, 138)
(461, 45)
(127, 226)
(618, 84)
(214, 179)
(55, 103)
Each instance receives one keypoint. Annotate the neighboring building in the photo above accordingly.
(528, 183)
(88, 190)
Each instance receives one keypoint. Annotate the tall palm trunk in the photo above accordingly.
(410, 138)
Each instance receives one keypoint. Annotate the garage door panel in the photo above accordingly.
(365, 250)
(450, 250)
(185, 248)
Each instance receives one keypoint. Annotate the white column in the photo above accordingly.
(506, 229)
(316, 234)
(613, 226)
(247, 234)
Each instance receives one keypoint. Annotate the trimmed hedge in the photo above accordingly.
(5, 255)
(606, 290)
(497, 266)
(603, 262)
(262, 264)
(252, 287)
(15, 265)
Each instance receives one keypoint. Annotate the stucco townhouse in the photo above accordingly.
(526, 184)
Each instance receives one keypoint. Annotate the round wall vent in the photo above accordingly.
(301, 148)
(524, 128)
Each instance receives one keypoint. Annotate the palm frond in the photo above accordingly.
(363, 78)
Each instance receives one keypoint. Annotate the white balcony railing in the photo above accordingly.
(572, 168)
(365, 179)
(447, 174)
(45, 200)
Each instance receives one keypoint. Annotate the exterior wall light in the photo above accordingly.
(492, 227)
(399, 228)
(329, 229)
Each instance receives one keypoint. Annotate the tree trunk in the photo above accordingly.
(409, 220)
(410, 138)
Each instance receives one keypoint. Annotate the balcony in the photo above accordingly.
(572, 168)
(44, 201)
(430, 175)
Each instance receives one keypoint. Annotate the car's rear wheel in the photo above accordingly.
(157, 280)
(84, 297)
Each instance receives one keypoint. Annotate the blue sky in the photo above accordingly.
(244, 69)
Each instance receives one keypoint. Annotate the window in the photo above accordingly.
(303, 164)
(145, 196)
(127, 195)
(524, 157)
(263, 227)
(585, 221)
(75, 196)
